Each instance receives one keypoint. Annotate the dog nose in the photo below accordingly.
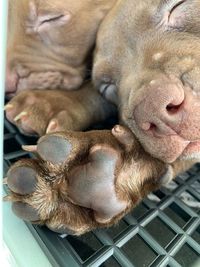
(11, 81)
(162, 110)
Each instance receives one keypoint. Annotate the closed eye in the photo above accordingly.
(46, 22)
(174, 8)
(48, 19)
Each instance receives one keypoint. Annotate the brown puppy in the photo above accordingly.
(65, 187)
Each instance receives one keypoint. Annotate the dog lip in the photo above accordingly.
(129, 122)
(183, 153)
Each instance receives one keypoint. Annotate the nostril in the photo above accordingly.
(171, 108)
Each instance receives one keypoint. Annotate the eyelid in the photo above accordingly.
(165, 12)
(44, 22)
(177, 4)
(49, 18)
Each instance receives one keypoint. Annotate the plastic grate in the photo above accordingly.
(164, 230)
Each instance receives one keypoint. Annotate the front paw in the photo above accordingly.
(81, 181)
(72, 186)
(36, 112)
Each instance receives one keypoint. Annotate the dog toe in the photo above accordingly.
(22, 180)
(54, 149)
(25, 211)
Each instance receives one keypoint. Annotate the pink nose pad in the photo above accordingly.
(164, 125)
(161, 111)
(11, 81)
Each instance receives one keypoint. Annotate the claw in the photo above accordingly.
(20, 115)
(5, 180)
(7, 198)
(52, 126)
(29, 148)
(8, 106)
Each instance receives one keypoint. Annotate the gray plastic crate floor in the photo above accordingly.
(164, 230)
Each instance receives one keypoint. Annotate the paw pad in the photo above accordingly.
(54, 149)
(25, 211)
(22, 180)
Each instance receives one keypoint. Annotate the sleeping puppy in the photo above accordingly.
(146, 63)
(50, 42)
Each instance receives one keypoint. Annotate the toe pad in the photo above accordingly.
(54, 149)
(25, 211)
(22, 180)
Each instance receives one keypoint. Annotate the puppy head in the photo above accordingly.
(49, 41)
(147, 62)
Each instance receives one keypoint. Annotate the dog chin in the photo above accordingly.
(192, 151)
(194, 156)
